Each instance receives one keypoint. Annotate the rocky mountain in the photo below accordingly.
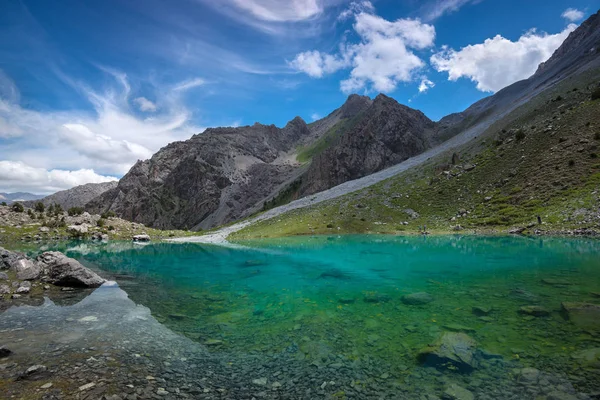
(18, 196)
(226, 174)
(78, 196)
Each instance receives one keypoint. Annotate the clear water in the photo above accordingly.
(342, 296)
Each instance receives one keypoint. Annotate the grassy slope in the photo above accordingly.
(550, 169)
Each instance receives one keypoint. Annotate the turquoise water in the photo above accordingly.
(342, 296)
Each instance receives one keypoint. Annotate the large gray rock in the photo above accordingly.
(26, 269)
(8, 258)
(456, 392)
(417, 299)
(78, 230)
(61, 270)
(584, 315)
(452, 349)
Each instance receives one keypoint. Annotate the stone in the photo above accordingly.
(46, 386)
(4, 352)
(528, 376)
(455, 349)
(61, 270)
(583, 315)
(374, 297)
(27, 269)
(588, 357)
(4, 289)
(24, 287)
(78, 230)
(260, 381)
(558, 395)
(481, 311)
(347, 300)
(534, 311)
(3, 276)
(417, 299)
(141, 238)
(213, 342)
(44, 229)
(456, 392)
(34, 372)
(87, 386)
(524, 295)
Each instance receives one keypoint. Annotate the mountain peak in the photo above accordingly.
(354, 105)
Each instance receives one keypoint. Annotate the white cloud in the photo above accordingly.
(382, 59)
(499, 62)
(425, 85)
(572, 14)
(17, 176)
(144, 104)
(356, 7)
(280, 10)
(316, 64)
(315, 116)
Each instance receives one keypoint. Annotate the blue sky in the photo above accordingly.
(89, 87)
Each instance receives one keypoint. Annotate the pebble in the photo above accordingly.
(87, 386)
(46, 386)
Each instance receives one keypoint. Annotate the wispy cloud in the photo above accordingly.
(110, 139)
(189, 84)
(437, 8)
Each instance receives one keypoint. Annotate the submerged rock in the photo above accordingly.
(417, 299)
(456, 392)
(458, 328)
(524, 295)
(584, 315)
(61, 270)
(373, 297)
(34, 372)
(334, 273)
(534, 311)
(481, 311)
(528, 376)
(4, 352)
(588, 357)
(453, 349)
(556, 282)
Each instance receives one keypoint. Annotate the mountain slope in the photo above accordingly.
(78, 196)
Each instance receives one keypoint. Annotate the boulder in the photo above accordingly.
(27, 269)
(535, 311)
(64, 271)
(588, 357)
(528, 376)
(3, 276)
(24, 287)
(584, 315)
(4, 352)
(4, 289)
(452, 349)
(456, 392)
(141, 238)
(8, 258)
(417, 299)
(78, 230)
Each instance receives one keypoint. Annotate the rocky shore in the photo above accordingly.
(27, 281)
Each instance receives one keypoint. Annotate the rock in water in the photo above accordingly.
(417, 299)
(64, 271)
(455, 392)
(453, 349)
(536, 311)
(584, 315)
(27, 269)
(588, 357)
(4, 352)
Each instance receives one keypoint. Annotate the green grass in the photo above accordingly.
(521, 177)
